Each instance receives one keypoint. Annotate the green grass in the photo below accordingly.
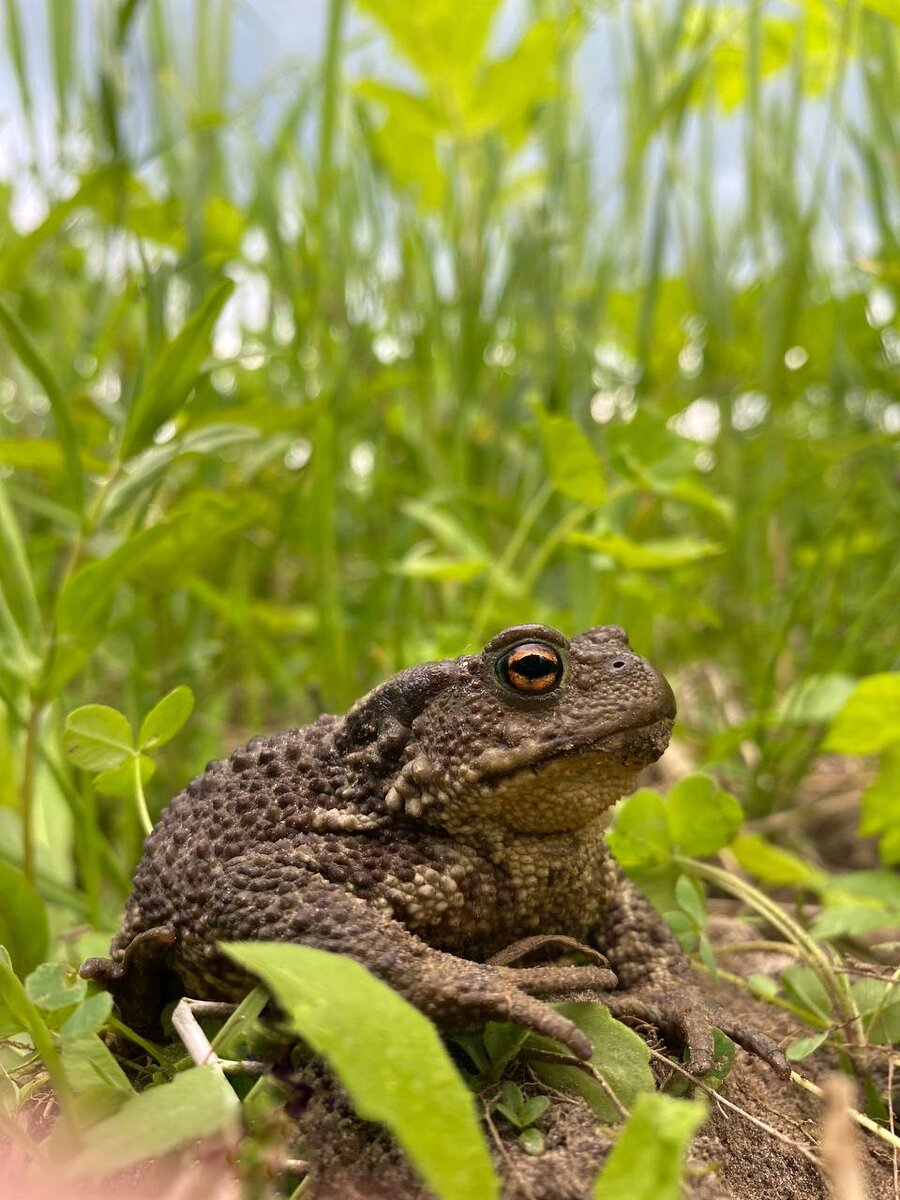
(474, 372)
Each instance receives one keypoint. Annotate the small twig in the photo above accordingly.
(840, 1151)
(198, 1045)
(886, 1135)
(890, 1100)
(508, 1160)
(720, 1099)
(568, 1060)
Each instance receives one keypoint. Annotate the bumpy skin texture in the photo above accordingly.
(446, 817)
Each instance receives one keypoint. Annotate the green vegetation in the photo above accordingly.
(304, 384)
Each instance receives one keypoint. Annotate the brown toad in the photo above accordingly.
(454, 811)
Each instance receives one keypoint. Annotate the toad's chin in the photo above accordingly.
(572, 786)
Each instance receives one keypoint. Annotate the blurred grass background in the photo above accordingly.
(548, 311)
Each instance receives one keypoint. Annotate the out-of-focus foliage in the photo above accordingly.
(449, 329)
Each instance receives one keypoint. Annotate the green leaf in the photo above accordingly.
(880, 807)
(27, 350)
(174, 373)
(532, 1140)
(197, 1104)
(836, 921)
(503, 1042)
(164, 720)
(572, 462)
(119, 781)
(387, 1055)
(619, 1055)
(23, 920)
(690, 897)
(804, 986)
(702, 818)
(55, 985)
(647, 556)
(420, 564)
(646, 1162)
(89, 1017)
(771, 864)
(814, 699)
(802, 1047)
(639, 835)
(870, 719)
(97, 737)
(93, 1073)
(533, 1109)
(84, 605)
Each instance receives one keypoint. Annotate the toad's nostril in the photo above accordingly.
(618, 664)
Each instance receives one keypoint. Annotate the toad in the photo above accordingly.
(451, 821)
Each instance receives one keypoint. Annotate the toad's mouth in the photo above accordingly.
(634, 746)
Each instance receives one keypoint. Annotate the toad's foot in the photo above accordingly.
(686, 1017)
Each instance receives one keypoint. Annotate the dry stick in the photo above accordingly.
(522, 1183)
(894, 1155)
(567, 1060)
(886, 1135)
(720, 1099)
(198, 1044)
(840, 1151)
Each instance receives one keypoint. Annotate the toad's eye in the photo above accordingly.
(532, 668)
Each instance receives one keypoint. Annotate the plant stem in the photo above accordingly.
(140, 798)
(32, 729)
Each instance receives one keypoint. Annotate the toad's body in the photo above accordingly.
(456, 809)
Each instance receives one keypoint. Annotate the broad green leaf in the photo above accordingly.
(573, 464)
(880, 807)
(97, 737)
(387, 1055)
(647, 556)
(23, 920)
(89, 1017)
(702, 818)
(870, 719)
(503, 1042)
(443, 40)
(92, 1070)
(877, 887)
(802, 1047)
(814, 699)
(120, 781)
(174, 373)
(406, 144)
(619, 1055)
(804, 986)
(639, 835)
(646, 1162)
(19, 1014)
(510, 89)
(439, 567)
(771, 864)
(690, 898)
(847, 920)
(164, 720)
(197, 1104)
(55, 985)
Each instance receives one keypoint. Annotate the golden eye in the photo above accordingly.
(532, 668)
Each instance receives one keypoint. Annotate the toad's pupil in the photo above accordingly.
(532, 668)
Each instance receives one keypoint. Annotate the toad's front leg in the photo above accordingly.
(278, 898)
(656, 983)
